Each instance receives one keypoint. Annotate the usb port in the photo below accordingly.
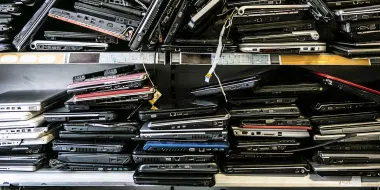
(258, 133)
(244, 132)
(279, 134)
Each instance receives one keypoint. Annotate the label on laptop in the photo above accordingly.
(356, 181)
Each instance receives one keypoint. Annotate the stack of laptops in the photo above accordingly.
(359, 25)
(268, 129)
(101, 25)
(24, 135)
(100, 120)
(349, 130)
(280, 27)
(182, 140)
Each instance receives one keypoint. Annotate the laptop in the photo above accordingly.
(267, 145)
(64, 115)
(276, 122)
(189, 124)
(176, 110)
(21, 167)
(266, 111)
(354, 146)
(344, 118)
(362, 169)
(349, 87)
(67, 166)
(95, 158)
(280, 36)
(274, 167)
(116, 97)
(232, 85)
(285, 26)
(347, 157)
(243, 155)
(172, 146)
(28, 158)
(293, 89)
(360, 127)
(21, 142)
(283, 47)
(108, 127)
(83, 106)
(21, 123)
(187, 136)
(338, 4)
(358, 13)
(17, 116)
(29, 100)
(211, 168)
(50, 128)
(143, 157)
(117, 82)
(356, 51)
(371, 136)
(343, 106)
(176, 179)
(98, 135)
(87, 146)
(301, 132)
(23, 149)
(237, 101)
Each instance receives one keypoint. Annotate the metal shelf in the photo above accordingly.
(82, 57)
(177, 58)
(266, 59)
(48, 177)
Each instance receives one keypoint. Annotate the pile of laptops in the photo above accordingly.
(276, 28)
(101, 25)
(24, 134)
(269, 129)
(10, 11)
(359, 24)
(99, 120)
(182, 143)
(348, 129)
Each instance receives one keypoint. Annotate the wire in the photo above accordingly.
(146, 71)
(221, 87)
(324, 144)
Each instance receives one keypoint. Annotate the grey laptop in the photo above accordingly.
(29, 100)
(361, 127)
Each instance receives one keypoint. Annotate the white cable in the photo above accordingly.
(221, 87)
(146, 71)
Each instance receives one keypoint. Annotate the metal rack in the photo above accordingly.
(48, 177)
(177, 58)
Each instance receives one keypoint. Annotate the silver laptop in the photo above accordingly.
(373, 136)
(290, 133)
(146, 129)
(33, 122)
(17, 116)
(39, 141)
(180, 168)
(31, 135)
(19, 167)
(365, 169)
(345, 128)
(283, 47)
(29, 100)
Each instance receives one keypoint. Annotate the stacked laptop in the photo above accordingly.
(269, 129)
(359, 24)
(103, 24)
(347, 127)
(24, 135)
(182, 143)
(99, 120)
(10, 10)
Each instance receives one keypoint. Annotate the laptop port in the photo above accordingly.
(258, 133)
(19, 108)
(279, 134)
(173, 114)
(176, 159)
(201, 150)
(244, 132)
